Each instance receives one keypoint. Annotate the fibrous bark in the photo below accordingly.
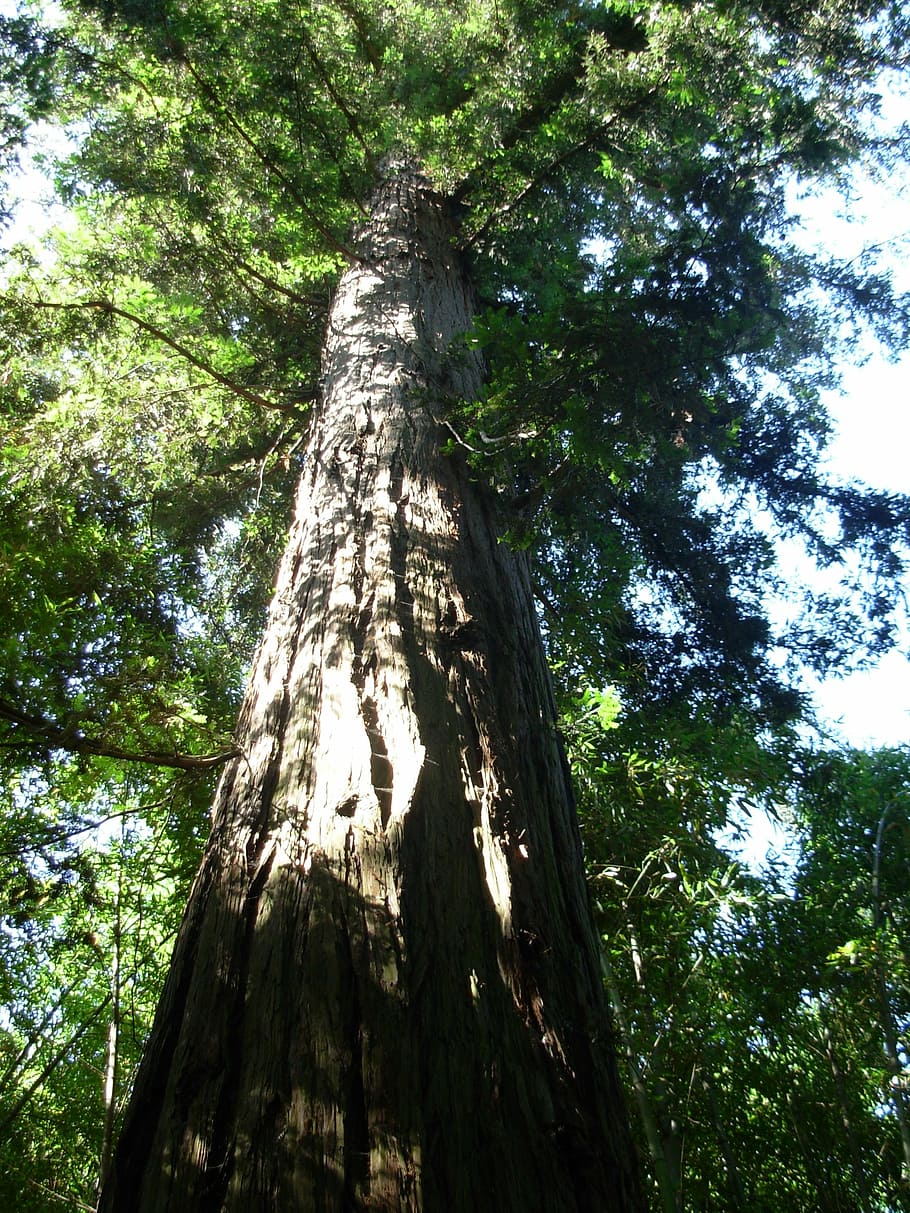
(386, 991)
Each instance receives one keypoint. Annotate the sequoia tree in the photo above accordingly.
(386, 990)
(498, 282)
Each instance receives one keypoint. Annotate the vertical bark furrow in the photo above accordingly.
(356, 1124)
(381, 772)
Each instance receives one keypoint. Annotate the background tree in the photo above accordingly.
(92, 905)
(762, 1016)
(160, 371)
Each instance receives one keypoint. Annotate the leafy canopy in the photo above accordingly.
(619, 170)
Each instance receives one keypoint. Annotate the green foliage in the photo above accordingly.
(620, 173)
(92, 892)
(28, 56)
(764, 1018)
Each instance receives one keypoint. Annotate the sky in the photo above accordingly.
(871, 415)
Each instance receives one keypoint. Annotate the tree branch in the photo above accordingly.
(207, 90)
(70, 739)
(557, 162)
(373, 54)
(64, 1200)
(105, 305)
(57, 837)
(55, 1061)
(333, 92)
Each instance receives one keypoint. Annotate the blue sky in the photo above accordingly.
(872, 422)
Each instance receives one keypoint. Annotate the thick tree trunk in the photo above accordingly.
(386, 991)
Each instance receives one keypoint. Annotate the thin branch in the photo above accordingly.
(65, 1200)
(534, 183)
(105, 305)
(55, 1061)
(237, 263)
(54, 837)
(556, 163)
(333, 242)
(32, 1039)
(546, 601)
(455, 434)
(358, 21)
(58, 737)
(333, 92)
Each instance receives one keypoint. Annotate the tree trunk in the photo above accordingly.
(386, 994)
(112, 1053)
(666, 1172)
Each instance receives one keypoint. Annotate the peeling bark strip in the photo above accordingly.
(386, 991)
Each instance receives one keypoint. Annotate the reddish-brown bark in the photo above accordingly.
(386, 991)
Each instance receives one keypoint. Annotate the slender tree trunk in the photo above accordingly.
(736, 1193)
(840, 1091)
(386, 992)
(665, 1174)
(671, 1129)
(112, 1052)
(816, 1168)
